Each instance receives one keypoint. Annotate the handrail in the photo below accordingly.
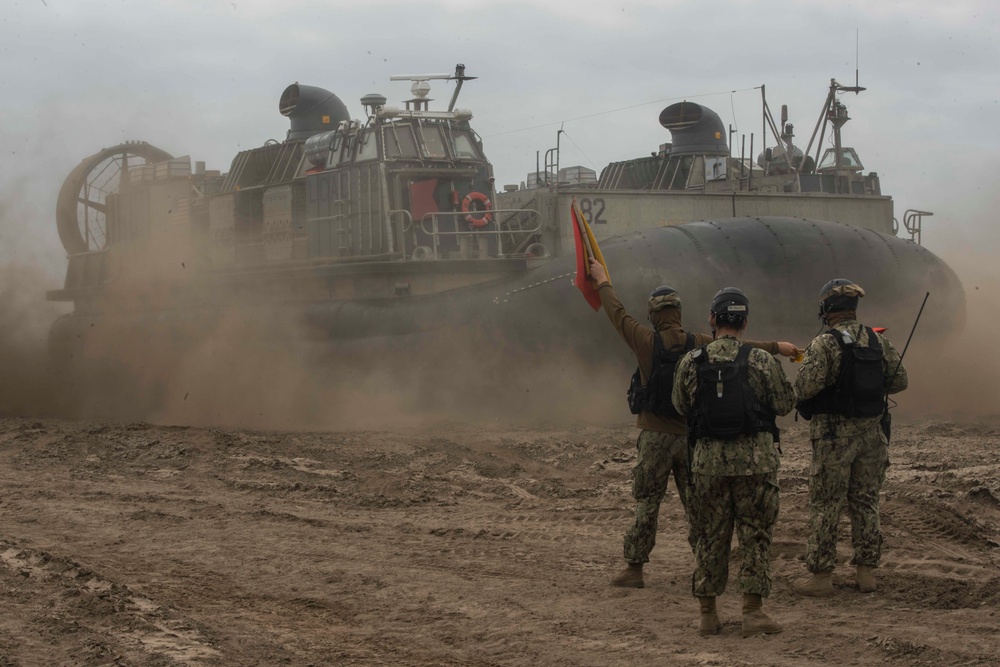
(405, 226)
(913, 222)
(435, 233)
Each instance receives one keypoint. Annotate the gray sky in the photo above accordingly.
(203, 78)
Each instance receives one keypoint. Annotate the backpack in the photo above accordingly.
(725, 403)
(655, 397)
(859, 390)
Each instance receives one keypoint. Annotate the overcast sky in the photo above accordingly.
(203, 78)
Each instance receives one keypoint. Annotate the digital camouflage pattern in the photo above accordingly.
(749, 455)
(639, 338)
(850, 469)
(849, 455)
(660, 455)
(749, 504)
(820, 366)
(663, 439)
(734, 482)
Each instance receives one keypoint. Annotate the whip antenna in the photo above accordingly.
(905, 347)
(886, 421)
(857, 52)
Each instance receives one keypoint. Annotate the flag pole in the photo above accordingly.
(580, 220)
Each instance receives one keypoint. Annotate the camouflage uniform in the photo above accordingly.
(662, 444)
(660, 454)
(849, 455)
(735, 482)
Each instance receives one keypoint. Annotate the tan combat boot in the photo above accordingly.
(709, 623)
(866, 578)
(819, 585)
(630, 577)
(755, 621)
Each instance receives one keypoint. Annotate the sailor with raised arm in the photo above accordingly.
(662, 443)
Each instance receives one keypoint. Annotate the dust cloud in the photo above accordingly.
(269, 376)
(25, 374)
(258, 368)
(252, 367)
(261, 368)
(957, 378)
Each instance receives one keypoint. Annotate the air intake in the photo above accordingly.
(695, 130)
(311, 110)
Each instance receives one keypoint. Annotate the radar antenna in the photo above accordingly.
(421, 86)
(835, 113)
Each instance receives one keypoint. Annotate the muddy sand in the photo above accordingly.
(137, 544)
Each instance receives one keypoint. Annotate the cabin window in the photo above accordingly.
(433, 143)
(367, 146)
(848, 160)
(399, 141)
(464, 147)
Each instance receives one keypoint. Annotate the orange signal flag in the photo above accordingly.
(586, 248)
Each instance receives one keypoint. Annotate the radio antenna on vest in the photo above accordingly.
(886, 421)
(905, 347)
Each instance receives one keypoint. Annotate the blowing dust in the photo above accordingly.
(26, 386)
(255, 368)
(233, 378)
(260, 369)
(198, 364)
(957, 378)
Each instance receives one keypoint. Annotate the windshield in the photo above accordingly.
(464, 146)
(848, 159)
(433, 141)
(399, 141)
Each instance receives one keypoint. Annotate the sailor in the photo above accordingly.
(731, 394)
(847, 373)
(662, 444)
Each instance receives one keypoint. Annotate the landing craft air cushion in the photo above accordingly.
(392, 226)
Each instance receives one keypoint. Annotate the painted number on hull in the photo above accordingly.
(593, 210)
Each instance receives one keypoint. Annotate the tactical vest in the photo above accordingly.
(859, 390)
(725, 404)
(655, 396)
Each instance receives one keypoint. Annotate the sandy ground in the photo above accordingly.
(136, 544)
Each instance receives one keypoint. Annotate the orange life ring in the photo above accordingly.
(471, 218)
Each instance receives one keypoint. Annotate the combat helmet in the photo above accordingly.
(662, 297)
(838, 295)
(731, 306)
